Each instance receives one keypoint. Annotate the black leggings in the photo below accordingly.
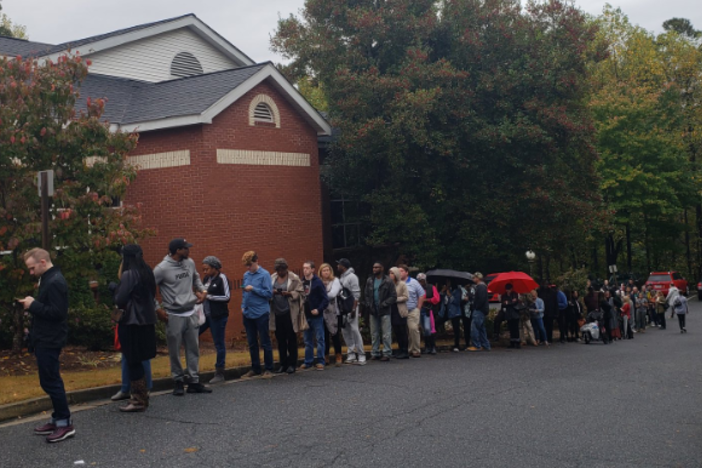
(513, 326)
(573, 326)
(681, 321)
(562, 328)
(661, 320)
(402, 336)
(336, 339)
(456, 323)
(287, 340)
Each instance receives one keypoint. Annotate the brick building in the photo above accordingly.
(228, 149)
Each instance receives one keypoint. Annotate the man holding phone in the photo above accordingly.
(48, 336)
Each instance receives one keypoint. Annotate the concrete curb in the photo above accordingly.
(35, 406)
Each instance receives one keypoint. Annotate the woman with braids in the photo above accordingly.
(137, 336)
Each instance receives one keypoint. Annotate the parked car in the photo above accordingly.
(660, 281)
(492, 297)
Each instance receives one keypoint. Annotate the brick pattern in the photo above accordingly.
(227, 209)
(262, 158)
(161, 160)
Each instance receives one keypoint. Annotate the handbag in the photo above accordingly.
(302, 324)
(200, 311)
(116, 314)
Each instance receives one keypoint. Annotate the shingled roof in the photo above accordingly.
(12, 47)
(132, 101)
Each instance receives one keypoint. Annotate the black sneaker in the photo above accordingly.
(197, 387)
(280, 370)
(179, 389)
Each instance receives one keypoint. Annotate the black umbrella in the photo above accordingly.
(461, 277)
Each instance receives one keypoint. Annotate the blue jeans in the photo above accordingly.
(478, 333)
(217, 327)
(381, 330)
(126, 382)
(258, 329)
(52, 383)
(315, 332)
(425, 322)
(539, 329)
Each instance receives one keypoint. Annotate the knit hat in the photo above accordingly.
(213, 262)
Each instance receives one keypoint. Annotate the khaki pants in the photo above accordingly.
(413, 330)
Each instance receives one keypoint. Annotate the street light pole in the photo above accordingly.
(530, 256)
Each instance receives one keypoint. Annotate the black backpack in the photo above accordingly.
(345, 301)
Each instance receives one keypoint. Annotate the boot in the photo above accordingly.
(140, 398)
(218, 377)
(403, 354)
(339, 360)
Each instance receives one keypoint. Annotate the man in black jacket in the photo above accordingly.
(380, 295)
(48, 335)
(481, 309)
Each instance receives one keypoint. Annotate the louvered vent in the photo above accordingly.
(262, 113)
(185, 64)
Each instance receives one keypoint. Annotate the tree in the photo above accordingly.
(682, 26)
(647, 179)
(458, 120)
(41, 129)
(7, 28)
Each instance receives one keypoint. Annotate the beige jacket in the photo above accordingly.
(296, 290)
(402, 293)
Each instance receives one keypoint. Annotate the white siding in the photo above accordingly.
(150, 59)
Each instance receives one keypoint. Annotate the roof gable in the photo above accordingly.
(141, 106)
(125, 36)
(10, 46)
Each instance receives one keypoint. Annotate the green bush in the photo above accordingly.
(91, 326)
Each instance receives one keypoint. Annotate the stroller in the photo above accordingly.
(591, 331)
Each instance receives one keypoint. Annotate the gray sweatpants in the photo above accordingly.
(183, 331)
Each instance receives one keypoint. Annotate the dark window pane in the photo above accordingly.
(337, 212)
(352, 238)
(338, 240)
(351, 212)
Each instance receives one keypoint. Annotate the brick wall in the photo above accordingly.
(226, 209)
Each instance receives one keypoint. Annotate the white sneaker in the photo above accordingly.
(361, 360)
(351, 358)
(456, 350)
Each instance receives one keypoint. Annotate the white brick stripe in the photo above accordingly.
(161, 160)
(262, 158)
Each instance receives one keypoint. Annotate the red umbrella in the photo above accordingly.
(521, 282)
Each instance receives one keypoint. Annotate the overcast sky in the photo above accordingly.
(248, 24)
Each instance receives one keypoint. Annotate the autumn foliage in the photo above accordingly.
(41, 128)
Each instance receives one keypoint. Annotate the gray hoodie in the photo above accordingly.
(349, 280)
(175, 281)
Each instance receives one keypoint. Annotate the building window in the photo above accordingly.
(264, 112)
(185, 64)
(346, 220)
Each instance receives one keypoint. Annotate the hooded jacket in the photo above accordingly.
(176, 280)
(402, 293)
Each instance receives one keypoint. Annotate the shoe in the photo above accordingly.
(218, 377)
(290, 370)
(133, 407)
(425, 351)
(46, 429)
(473, 349)
(249, 374)
(280, 370)
(339, 360)
(361, 360)
(61, 433)
(433, 351)
(375, 358)
(578, 340)
(403, 354)
(685, 330)
(319, 366)
(179, 389)
(456, 350)
(351, 358)
(119, 396)
(546, 343)
(415, 355)
(384, 359)
(305, 366)
(197, 387)
(267, 375)
(681, 331)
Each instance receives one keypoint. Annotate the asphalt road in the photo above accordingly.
(631, 404)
